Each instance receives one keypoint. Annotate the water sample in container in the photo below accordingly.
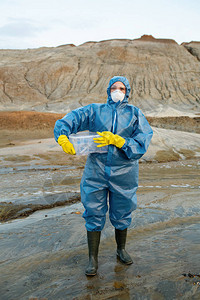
(83, 143)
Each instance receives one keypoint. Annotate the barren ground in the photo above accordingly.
(25, 125)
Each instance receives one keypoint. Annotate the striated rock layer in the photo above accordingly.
(161, 72)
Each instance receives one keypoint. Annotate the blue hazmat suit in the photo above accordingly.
(112, 175)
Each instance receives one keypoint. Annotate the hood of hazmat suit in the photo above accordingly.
(112, 175)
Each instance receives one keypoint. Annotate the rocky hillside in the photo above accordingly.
(161, 72)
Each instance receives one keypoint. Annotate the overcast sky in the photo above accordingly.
(36, 23)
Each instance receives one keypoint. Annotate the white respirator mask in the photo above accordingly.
(117, 95)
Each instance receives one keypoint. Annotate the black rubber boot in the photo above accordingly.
(93, 238)
(120, 236)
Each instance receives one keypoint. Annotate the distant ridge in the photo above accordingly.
(161, 72)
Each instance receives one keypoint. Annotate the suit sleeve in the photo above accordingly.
(75, 121)
(136, 146)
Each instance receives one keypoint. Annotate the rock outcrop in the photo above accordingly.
(160, 71)
(193, 48)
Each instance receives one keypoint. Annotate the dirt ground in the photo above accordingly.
(43, 256)
(182, 123)
(23, 125)
(28, 120)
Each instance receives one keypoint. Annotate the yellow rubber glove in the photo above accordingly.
(108, 138)
(66, 145)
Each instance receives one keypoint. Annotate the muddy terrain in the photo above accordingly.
(43, 256)
(43, 249)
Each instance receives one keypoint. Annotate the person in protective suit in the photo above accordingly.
(112, 175)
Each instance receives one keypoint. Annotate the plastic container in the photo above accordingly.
(83, 143)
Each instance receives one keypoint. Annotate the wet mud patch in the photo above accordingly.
(165, 269)
(188, 154)
(60, 158)
(12, 137)
(166, 156)
(18, 158)
(10, 211)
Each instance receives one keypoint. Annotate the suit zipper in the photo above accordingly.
(114, 121)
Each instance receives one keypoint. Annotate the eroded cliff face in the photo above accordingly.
(193, 48)
(161, 74)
